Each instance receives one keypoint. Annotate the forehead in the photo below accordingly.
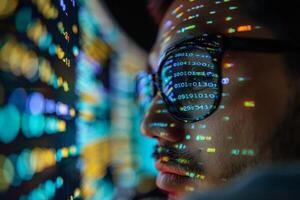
(191, 18)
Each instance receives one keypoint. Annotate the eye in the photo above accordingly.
(190, 82)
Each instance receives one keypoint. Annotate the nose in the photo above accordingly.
(159, 123)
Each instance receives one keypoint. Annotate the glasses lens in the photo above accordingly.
(190, 82)
(145, 90)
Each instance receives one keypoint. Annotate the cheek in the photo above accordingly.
(228, 132)
(250, 109)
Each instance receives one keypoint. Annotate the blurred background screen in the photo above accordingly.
(69, 127)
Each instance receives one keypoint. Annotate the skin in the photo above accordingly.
(243, 128)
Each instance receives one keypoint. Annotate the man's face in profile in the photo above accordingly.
(255, 94)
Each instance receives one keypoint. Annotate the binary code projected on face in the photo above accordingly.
(190, 82)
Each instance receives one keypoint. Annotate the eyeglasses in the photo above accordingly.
(189, 76)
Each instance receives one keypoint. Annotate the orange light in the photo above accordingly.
(228, 65)
(244, 28)
(75, 29)
(165, 158)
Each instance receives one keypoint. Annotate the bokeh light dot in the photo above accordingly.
(36, 103)
(9, 123)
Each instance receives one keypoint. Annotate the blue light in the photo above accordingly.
(23, 19)
(59, 182)
(36, 103)
(24, 166)
(50, 106)
(33, 125)
(18, 98)
(75, 51)
(52, 49)
(49, 189)
(61, 109)
(59, 155)
(9, 123)
(16, 179)
(51, 125)
(45, 41)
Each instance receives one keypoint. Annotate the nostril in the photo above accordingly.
(166, 134)
(161, 125)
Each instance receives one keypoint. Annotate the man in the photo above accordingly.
(225, 90)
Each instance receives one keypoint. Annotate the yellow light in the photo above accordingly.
(86, 115)
(179, 15)
(177, 9)
(6, 173)
(189, 188)
(66, 86)
(42, 159)
(29, 65)
(60, 53)
(46, 8)
(45, 70)
(89, 98)
(201, 177)
(59, 81)
(7, 7)
(72, 112)
(249, 104)
(61, 126)
(228, 65)
(64, 152)
(165, 158)
(95, 166)
(77, 193)
(88, 189)
(211, 150)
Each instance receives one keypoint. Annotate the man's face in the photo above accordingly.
(207, 153)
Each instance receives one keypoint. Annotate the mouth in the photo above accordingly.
(176, 174)
(163, 167)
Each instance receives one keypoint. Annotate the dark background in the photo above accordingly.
(133, 17)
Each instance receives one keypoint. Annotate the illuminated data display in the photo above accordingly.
(93, 122)
(39, 45)
(68, 122)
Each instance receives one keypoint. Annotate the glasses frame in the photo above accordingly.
(225, 43)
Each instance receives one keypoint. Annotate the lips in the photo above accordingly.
(165, 168)
(175, 168)
(172, 180)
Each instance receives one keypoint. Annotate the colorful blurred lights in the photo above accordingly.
(6, 173)
(9, 123)
(36, 103)
(249, 104)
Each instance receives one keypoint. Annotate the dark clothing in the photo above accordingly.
(277, 182)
